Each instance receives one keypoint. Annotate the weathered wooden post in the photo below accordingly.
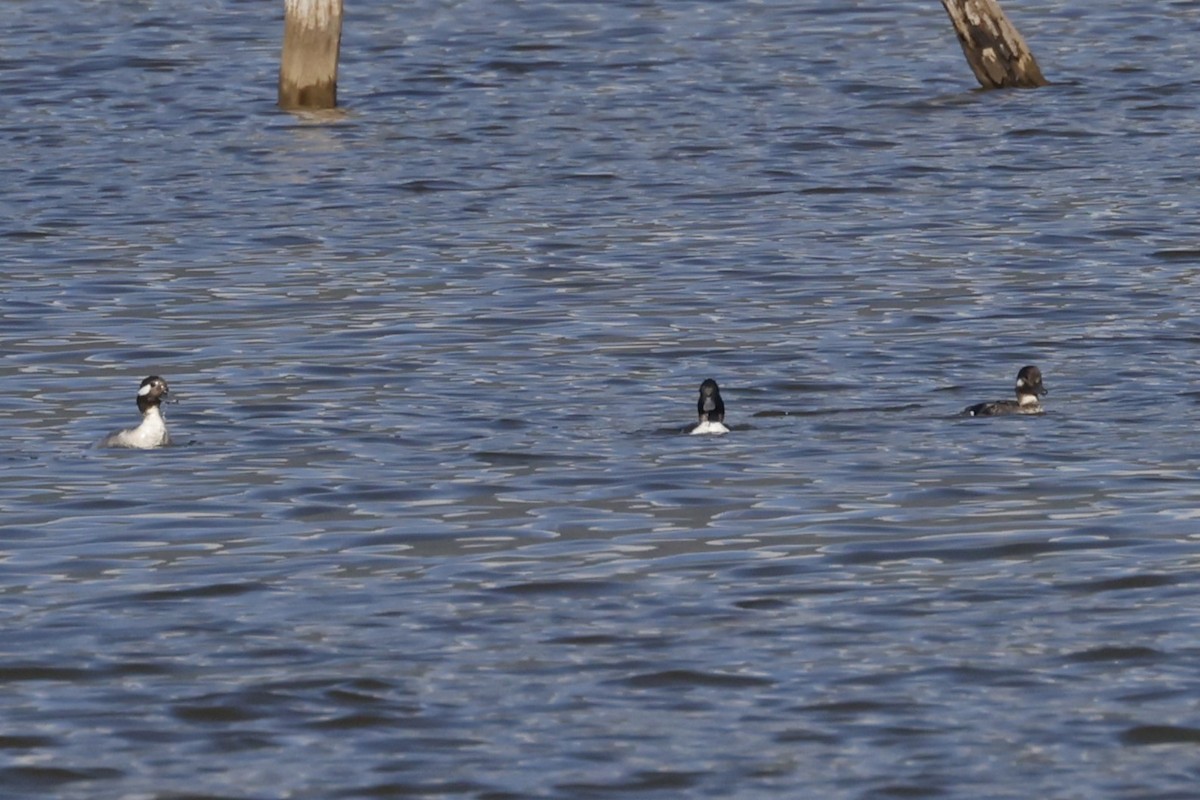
(995, 50)
(312, 35)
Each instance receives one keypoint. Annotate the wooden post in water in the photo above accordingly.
(312, 35)
(995, 50)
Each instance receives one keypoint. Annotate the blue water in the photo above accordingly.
(429, 527)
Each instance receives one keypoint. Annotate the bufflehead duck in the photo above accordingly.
(1029, 389)
(711, 409)
(153, 430)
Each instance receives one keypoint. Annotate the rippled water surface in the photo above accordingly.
(429, 527)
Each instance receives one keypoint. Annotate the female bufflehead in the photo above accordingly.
(1029, 388)
(153, 430)
(711, 409)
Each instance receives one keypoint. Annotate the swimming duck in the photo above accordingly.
(711, 410)
(152, 432)
(1029, 389)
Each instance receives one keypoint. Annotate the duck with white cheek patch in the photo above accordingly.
(1029, 391)
(152, 432)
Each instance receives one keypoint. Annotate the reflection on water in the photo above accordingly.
(429, 527)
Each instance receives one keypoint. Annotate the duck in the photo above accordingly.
(152, 432)
(711, 409)
(1029, 391)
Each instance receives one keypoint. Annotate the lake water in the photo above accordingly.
(429, 528)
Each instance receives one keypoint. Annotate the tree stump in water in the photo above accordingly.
(995, 50)
(312, 36)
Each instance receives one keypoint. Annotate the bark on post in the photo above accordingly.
(995, 50)
(312, 36)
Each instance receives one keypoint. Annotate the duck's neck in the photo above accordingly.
(153, 425)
